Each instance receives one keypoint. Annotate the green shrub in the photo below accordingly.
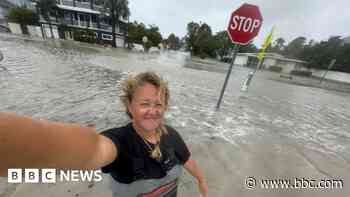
(303, 73)
(275, 69)
(23, 16)
(85, 36)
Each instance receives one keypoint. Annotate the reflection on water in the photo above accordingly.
(79, 84)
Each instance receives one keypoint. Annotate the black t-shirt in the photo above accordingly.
(134, 161)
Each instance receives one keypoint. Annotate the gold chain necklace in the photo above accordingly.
(155, 155)
(147, 144)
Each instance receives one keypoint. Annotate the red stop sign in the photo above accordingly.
(244, 24)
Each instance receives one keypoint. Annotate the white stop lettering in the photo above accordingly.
(242, 23)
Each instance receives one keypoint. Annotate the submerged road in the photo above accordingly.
(273, 131)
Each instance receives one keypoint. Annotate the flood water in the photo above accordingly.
(67, 82)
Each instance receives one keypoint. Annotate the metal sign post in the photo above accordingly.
(329, 67)
(234, 54)
(244, 25)
(144, 40)
(246, 83)
(261, 57)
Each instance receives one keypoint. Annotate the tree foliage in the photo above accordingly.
(224, 44)
(153, 35)
(191, 37)
(277, 46)
(249, 48)
(117, 9)
(317, 54)
(295, 47)
(200, 41)
(23, 15)
(46, 7)
(136, 31)
(173, 42)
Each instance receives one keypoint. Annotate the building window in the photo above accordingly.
(107, 37)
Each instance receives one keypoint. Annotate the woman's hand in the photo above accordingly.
(192, 167)
(203, 188)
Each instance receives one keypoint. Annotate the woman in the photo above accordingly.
(145, 157)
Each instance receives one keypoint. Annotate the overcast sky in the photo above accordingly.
(314, 19)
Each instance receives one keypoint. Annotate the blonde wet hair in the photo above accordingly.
(128, 90)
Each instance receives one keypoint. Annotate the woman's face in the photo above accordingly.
(147, 108)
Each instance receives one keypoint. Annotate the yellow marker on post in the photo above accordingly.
(267, 42)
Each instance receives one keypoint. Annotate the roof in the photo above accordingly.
(290, 60)
(78, 9)
(346, 39)
(275, 56)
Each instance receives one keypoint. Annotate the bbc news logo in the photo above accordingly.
(52, 175)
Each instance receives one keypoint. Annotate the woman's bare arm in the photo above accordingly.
(192, 167)
(29, 143)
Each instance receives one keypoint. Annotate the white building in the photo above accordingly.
(74, 15)
(270, 59)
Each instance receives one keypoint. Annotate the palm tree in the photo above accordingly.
(46, 7)
(117, 9)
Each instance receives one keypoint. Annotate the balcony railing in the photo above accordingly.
(81, 5)
(69, 22)
(92, 25)
(67, 2)
(105, 27)
(99, 8)
(52, 19)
